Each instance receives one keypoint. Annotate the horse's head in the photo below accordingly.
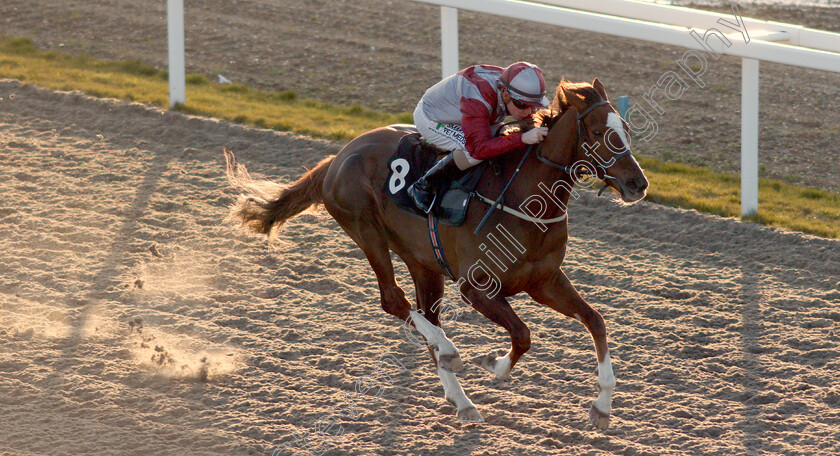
(591, 138)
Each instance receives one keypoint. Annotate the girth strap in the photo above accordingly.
(437, 247)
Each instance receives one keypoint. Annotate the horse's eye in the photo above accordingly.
(597, 133)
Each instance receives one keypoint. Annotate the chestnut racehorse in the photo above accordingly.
(586, 136)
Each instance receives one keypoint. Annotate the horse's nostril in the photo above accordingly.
(637, 185)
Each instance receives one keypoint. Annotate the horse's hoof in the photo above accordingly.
(598, 418)
(451, 362)
(470, 415)
(491, 363)
(485, 361)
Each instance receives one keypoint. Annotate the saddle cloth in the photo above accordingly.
(410, 161)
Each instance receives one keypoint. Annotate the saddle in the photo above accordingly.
(412, 158)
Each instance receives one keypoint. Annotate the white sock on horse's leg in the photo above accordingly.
(437, 340)
(453, 393)
(433, 334)
(498, 366)
(502, 367)
(606, 382)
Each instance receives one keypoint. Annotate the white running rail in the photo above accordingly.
(751, 39)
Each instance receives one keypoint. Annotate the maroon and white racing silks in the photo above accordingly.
(472, 98)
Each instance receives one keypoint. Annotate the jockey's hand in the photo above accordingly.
(535, 135)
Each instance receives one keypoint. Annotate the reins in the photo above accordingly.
(501, 197)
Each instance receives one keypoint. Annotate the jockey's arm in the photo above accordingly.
(475, 122)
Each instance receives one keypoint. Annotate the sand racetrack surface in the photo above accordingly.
(133, 320)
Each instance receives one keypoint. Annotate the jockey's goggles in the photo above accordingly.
(521, 104)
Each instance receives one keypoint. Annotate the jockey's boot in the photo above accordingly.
(423, 191)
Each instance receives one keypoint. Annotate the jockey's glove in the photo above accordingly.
(535, 135)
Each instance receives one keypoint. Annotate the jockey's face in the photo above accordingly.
(515, 111)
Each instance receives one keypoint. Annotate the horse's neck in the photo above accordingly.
(548, 183)
(536, 184)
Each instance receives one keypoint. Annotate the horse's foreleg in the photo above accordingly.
(447, 360)
(499, 311)
(446, 354)
(452, 390)
(428, 286)
(453, 393)
(559, 294)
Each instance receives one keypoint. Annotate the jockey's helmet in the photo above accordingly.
(524, 82)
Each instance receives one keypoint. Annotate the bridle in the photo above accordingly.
(600, 172)
(583, 134)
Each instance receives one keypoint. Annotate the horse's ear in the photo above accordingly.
(599, 86)
(571, 97)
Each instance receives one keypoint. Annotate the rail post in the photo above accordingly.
(175, 33)
(623, 106)
(448, 41)
(749, 136)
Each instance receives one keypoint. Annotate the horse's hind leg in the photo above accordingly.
(559, 294)
(356, 212)
(428, 286)
(358, 215)
(372, 239)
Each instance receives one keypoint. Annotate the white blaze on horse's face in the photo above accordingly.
(615, 124)
(628, 178)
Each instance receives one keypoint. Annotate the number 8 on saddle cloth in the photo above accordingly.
(410, 161)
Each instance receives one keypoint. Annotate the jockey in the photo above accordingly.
(461, 113)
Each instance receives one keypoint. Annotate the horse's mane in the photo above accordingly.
(582, 90)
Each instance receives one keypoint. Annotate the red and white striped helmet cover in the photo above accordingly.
(524, 82)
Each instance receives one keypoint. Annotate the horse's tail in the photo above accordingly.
(266, 205)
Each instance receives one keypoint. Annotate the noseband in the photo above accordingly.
(583, 133)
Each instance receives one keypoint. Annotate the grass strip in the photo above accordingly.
(781, 205)
(136, 81)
